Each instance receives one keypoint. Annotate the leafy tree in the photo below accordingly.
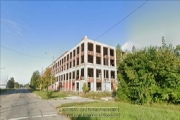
(150, 75)
(177, 50)
(46, 78)
(10, 83)
(34, 83)
(85, 88)
(16, 85)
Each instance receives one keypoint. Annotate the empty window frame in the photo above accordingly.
(77, 61)
(111, 52)
(82, 47)
(90, 72)
(112, 74)
(105, 51)
(82, 59)
(98, 60)
(90, 46)
(90, 59)
(98, 49)
(106, 74)
(77, 50)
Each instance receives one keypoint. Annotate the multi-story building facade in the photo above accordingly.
(89, 62)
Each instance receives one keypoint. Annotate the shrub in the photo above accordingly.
(49, 94)
(85, 88)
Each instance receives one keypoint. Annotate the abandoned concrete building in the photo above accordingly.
(89, 62)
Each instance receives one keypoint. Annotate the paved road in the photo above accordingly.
(20, 104)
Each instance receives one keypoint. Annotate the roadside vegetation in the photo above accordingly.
(127, 111)
(45, 94)
(150, 75)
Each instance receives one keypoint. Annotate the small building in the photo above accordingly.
(89, 62)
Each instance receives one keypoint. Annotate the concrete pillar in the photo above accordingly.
(71, 80)
(102, 58)
(94, 79)
(102, 78)
(79, 54)
(65, 81)
(108, 56)
(85, 59)
(109, 72)
(79, 73)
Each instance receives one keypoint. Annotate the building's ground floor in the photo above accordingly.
(96, 77)
(78, 84)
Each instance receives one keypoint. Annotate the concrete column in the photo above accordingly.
(68, 82)
(85, 72)
(94, 79)
(102, 78)
(71, 80)
(102, 58)
(85, 59)
(109, 72)
(79, 72)
(108, 56)
(79, 54)
(94, 61)
(85, 51)
(65, 80)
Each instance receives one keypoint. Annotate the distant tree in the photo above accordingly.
(133, 49)
(10, 83)
(16, 85)
(46, 78)
(34, 83)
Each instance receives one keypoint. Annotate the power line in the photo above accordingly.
(21, 52)
(122, 19)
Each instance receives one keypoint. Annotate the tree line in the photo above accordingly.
(12, 84)
(41, 81)
(148, 75)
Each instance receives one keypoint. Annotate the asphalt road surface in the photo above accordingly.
(21, 104)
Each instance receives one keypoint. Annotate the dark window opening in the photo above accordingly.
(106, 74)
(90, 72)
(112, 74)
(98, 60)
(90, 59)
(105, 51)
(82, 59)
(90, 46)
(98, 49)
(77, 61)
(82, 47)
(77, 50)
(111, 52)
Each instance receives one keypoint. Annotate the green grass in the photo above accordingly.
(96, 95)
(43, 93)
(130, 111)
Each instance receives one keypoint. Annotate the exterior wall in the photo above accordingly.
(64, 72)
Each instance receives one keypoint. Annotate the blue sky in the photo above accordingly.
(53, 27)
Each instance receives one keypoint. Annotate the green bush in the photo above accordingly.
(85, 88)
(49, 94)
